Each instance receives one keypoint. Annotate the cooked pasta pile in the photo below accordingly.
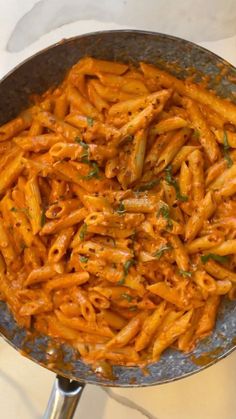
(117, 225)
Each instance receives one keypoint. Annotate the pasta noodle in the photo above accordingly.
(117, 212)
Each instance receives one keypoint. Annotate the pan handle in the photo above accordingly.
(64, 398)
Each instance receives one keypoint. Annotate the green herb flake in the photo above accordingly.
(159, 253)
(83, 231)
(129, 138)
(90, 121)
(213, 256)
(121, 281)
(128, 265)
(226, 148)
(83, 259)
(127, 297)
(43, 217)
(168, 177)
(78, 140)
(126, 268)
(121, 208)
(113, 241)
(184, 273)
(24, 210)
(23, 246)
(133, 237)
(164, 211)
(85, 156)
(196, 134)
(182, 198)
(94, 172)
(147, 186)
(84, 159)
(133, 308)
(171, 181)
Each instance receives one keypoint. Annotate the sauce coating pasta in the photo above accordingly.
(117, 212)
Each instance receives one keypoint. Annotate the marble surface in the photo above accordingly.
(27, 26)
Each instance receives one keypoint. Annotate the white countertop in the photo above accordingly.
(27, 26)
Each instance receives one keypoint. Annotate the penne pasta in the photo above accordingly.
(37, 143)
(169, 124)
(10, 172)
(33, 201)
(202, 213)
(208, 317)
(134, 105)
(180, 254)
(127, 333)
(61, 106)
(60, 245)
(150, 326)
(172, 148)
(138, 154)
(226, 109)
(85, 107)
(166, 338)
(66, 280)
(13, 127)
(117, 212)
(181, 156)
(225, 248)
(139, 121)
(99, 103)
(50, 121)
(219, 272)
(73, 218)
(196, 167)
(203, 243)
(206, 137)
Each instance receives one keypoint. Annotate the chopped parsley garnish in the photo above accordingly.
(168, 177)
(226, 148)
(196, 133)
(126, 267)
(133, 308)
(129, 138)
(121, 281)
(83, 259)
(94, 172)
(24, 210)
(121, 208)
(184, 273)
(23, 246)
(171, 181)
(147, 186)
(90, 121)
(78, 140)
(159, 253)
(213, 256)
(113, 241)
(127, 297)
(164, 211)
(83, 144)
(133, 236)
(85, 156)
(43, 217)
(83, 231)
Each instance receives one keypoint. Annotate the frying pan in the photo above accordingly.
(35, 75)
